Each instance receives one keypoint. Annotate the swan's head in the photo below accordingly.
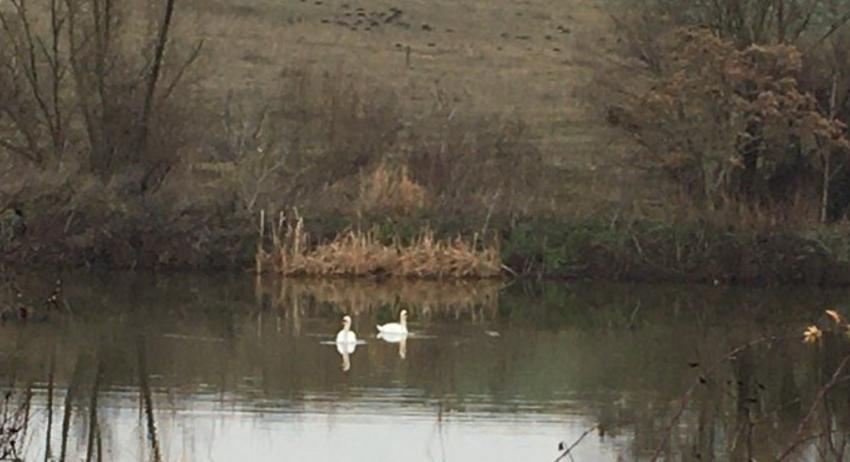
(403, 315)
(346, 321)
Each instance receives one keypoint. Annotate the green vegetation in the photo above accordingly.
(670, 141)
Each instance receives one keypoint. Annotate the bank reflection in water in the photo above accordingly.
(188, 368)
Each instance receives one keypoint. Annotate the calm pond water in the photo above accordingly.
(178, 367)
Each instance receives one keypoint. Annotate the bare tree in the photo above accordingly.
(72, 75)
(759, 21)
(33, 72)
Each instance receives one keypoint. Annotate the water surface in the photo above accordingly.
(211, 367)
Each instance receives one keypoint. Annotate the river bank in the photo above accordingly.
(593, 249)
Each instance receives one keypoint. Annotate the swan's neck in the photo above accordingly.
(404, 322)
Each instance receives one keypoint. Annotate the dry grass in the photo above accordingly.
(482, 48)
(362, 253)
(388, 189)
(470, 59)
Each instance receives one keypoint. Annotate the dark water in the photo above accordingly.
(194, 367)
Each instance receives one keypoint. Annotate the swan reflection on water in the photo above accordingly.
(399, 338)
(345, 350)
(346, 343)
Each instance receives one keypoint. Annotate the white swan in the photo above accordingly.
(346, 335)
(394, 329)
(396, 332)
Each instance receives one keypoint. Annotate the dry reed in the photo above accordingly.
(363, 253)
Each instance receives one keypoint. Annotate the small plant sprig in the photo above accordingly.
(814, 333)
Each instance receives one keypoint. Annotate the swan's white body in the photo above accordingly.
(394, 329)
(346, 342)
(392, 337)
(346, 335)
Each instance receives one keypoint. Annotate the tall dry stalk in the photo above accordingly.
(261, 254)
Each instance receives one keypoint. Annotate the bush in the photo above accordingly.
(329, 143)
(723, 106)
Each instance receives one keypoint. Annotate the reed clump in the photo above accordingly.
(357, 253)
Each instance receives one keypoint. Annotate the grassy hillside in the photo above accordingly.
(494, 56)
(528, 59)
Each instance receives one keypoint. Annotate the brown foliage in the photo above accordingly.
(391, 190)
(731, 125)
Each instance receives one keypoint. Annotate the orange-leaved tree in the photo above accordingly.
(731, 125)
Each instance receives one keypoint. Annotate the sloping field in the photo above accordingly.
(527, 59)
(493, 55)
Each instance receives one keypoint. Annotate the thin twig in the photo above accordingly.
(798, 435)
(576, 443)
(686, 398)
(193, 56)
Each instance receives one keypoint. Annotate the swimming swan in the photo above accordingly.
(346, 335)
(395, 329)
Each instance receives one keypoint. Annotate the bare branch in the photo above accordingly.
(798, 435)
(832, 29)
(19, 150)
(193, 56)
(568, 450)
(32, 70)
(153, 76)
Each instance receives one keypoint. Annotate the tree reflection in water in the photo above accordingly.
(692, 373)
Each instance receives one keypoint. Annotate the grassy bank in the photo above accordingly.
(653, 252)
(643, 251)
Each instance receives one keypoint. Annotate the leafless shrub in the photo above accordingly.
(72, 81)
(331, 141)
(465, 162)
(319, 130)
